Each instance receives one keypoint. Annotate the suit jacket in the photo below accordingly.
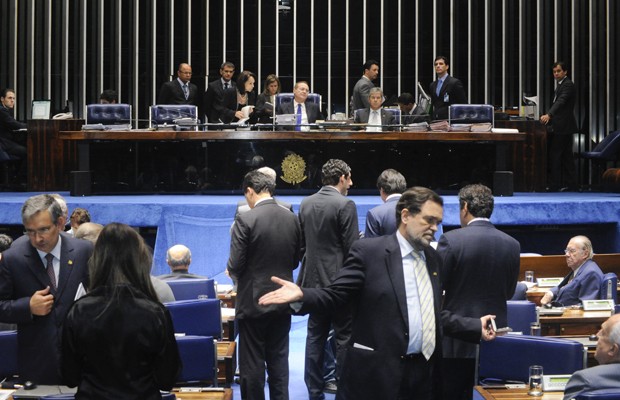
(312, 111)
(243, 207)
(417, 115)
(329, 227)
(8, 124)
(21, 274)
(179, 275)
(264, 112)
(172, 93)
(362, 116)
(215, 102)
(360, 93)
(599, 377)
(480, 271)
(381, 220)
(452, 92)
(265, 242)
(586, 285)
(372, 278)
(562, 111)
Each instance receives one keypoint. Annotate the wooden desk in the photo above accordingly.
(573, 322)
(555, 265)
(226, 362)
(220, 158)
(228, 299)
(228, 324)
(481, 393)
(226, 394)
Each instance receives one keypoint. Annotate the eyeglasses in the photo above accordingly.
(570, 251)
(41, 231)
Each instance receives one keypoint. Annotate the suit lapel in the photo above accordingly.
(36, 267)
(66, 266)
(394, 266)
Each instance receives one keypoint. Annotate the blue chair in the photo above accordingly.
(199, 357)
(189, 289)
(8, 354)
(197, 317)
(282, 98)
(62, 396)
(507, 358)
(521, 313)
(609, 287)
(606, 150)
(471, 114)
(108, 114)
(167, 114)
(600, 394)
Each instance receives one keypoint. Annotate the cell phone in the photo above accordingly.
(492, 325)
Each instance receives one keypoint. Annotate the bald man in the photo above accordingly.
(179, 90)
(607, 374)
(179, 258)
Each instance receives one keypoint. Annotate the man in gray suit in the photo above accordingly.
(375, 116)
(607, 374)
(362, 87)
(329, 227)
(381, 220)
(179, 257)
(265, 241)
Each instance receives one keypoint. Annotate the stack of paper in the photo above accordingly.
(442, 126)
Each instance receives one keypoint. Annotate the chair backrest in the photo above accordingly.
(471, 113)
(395, 113)
(199, 357)
(606, 142)
(600, 394)
(609, 287)
(189, 289)
(197, 317)
(520, 314)
(282, 98)
(509, 357)
(108, 114)
(160, 114)
(8, 354)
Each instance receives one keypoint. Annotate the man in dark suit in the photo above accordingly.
(446, 90)
(8, 140)
(329, 226)
(381, 220)
(265, 241)
(178, 258)
(375, 116)
(606, 375)
(410, 112)
(359, 99)
(561, 122)
(305, 112)
(479, 274)
(395, 344)
(215, 98)
(584, 280)
(40, 277)
(179, 90)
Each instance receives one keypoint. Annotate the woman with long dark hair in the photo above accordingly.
(118, 340)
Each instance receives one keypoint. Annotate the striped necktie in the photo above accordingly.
(427, 308)
(50, 270)
(186, 91)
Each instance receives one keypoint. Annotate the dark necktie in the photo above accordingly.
(225, 85)
(50, 269)
(298, 121)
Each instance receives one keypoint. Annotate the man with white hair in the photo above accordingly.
(179, 257)
(607, 374)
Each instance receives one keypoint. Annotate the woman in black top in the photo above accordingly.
(118, 340)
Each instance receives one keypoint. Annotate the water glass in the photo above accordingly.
(536, 378)
(529, 276)
(535, 329)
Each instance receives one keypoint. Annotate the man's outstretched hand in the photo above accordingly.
(288, 293)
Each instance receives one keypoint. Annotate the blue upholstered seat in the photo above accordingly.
(64, 396)
(108, 114)
(8, 354)
(471, 113)
(521, 313)
(601, 394)
(161, 114)
(509, 357)
(282, 98)
(199, 358)
(609, 287)
(189, 289)
(197, 317)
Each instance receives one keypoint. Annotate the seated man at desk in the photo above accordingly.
(607, 374)
(411, 113)
(584, 280)
(305, 112)
(375, 116)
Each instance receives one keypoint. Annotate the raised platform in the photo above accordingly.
(542, 222)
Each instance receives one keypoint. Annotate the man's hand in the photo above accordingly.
(288, 293)
(487, 330)
(41, 302)
(545, 119)
(547, 298)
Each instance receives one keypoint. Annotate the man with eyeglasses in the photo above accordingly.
(584, 280)
(41, 275)
(179, 90)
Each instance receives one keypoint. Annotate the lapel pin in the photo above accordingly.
(434, 273)
(70, 262)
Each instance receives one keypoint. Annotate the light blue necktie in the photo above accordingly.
(298, 121)
(439, 85)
